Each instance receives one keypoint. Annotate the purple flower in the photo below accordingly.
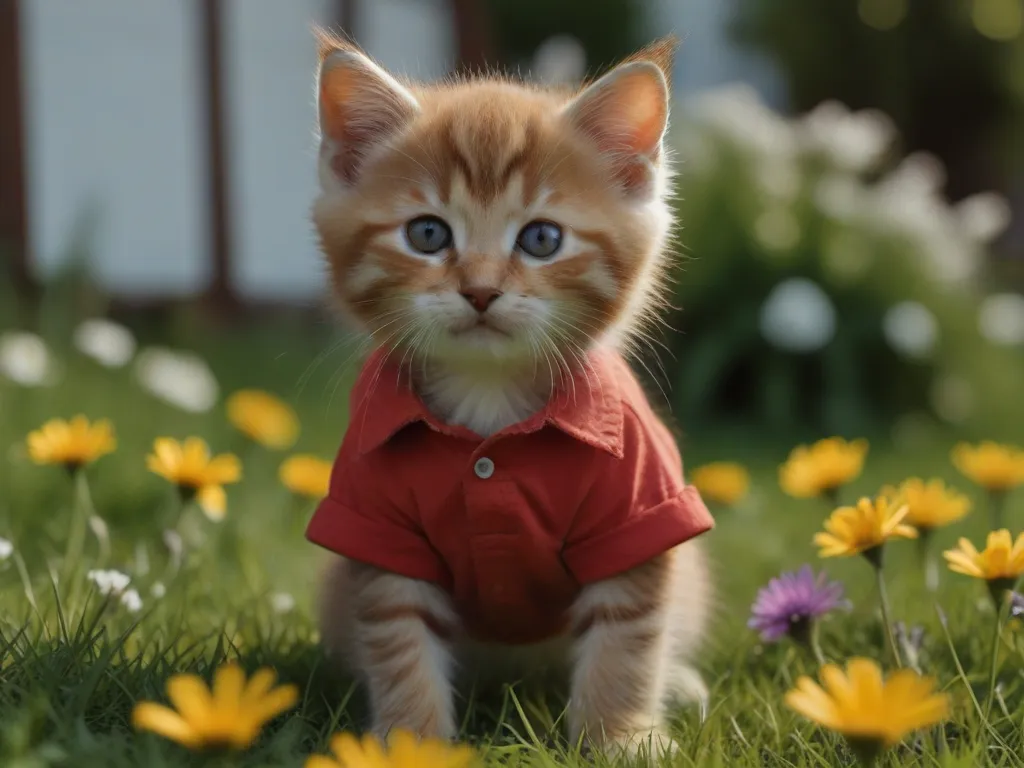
(791, 603)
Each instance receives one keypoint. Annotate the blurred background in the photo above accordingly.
(851, 256)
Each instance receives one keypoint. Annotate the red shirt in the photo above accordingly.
(511, 525)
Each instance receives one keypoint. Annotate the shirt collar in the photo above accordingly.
(587, 406)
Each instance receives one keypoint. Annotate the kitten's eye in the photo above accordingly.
(540, 239)
(428, 234)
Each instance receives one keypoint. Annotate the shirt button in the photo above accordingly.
(483, 468)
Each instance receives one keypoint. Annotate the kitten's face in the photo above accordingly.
(487, 222)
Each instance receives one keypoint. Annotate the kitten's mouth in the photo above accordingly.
(481, 328)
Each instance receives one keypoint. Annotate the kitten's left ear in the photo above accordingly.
(625, 113)
(361, 106)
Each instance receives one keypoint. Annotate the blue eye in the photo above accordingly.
(428, 234)
(540, 239)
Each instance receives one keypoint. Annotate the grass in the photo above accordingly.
(73, 664)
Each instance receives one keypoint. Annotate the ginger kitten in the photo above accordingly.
(503, 481)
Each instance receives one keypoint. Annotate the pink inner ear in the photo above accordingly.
(626, 117)
(633, 114)
(357, 111)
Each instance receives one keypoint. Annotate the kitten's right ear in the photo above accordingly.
(360, 106)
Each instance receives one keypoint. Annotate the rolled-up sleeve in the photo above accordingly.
(357, 520)
(637, 509)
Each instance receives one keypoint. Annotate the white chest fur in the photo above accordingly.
(483, 403)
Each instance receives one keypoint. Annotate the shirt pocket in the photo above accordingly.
(523, 592)
(520, 589)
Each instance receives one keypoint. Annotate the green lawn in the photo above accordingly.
(73, 665)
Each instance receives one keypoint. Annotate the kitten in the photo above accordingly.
(503, 484)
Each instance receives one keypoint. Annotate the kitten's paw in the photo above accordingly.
(688, 688)
(648, 745)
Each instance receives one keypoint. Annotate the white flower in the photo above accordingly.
(106, 342)
(25, 360)
(911, 329)
(984, 217)
(282, 602)
(841, 197)
(560, 60)
(737, 112)
(798, 316)
(179, 378)
(853, 141)
(907, 204)
(777, 229)
(131, 601)
(779, 177)
(109, 582)
(158, 590)
(6, 548)
(1001, 319)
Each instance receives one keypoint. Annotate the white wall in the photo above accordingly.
(707, 56)
(116, 134)
(112, 128)
(270, 63)
(271, 60)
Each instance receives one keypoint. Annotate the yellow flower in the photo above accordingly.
(1002, 558)
(188, 465)
(404, 751)
(931, 504)
(823, 467)
(865, 708)
(993, 466)
(724, 482)
(306, 475)
(261, 416)
(72, 443)
(852, 530)
(231, 715)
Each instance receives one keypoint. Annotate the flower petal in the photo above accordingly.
(261, 682)
(191, 697)
(279, 700)
(225, 468)
(213, 500)
(228, 684)
(165, 722)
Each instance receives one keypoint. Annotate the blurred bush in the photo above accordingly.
(949, 72)
(826, 283)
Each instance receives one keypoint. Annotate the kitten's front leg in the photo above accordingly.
(399, 640)
(622, 660)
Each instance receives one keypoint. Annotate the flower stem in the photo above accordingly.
(929, 567)
(816, 645)
(994, 668)
(996, 507)
(866, 750)
(883, 599)
(831, 495)
(82, 509)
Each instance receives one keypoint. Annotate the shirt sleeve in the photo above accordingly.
(637, 508)
(357, 520)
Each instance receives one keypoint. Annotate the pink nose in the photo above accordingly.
(480, 298)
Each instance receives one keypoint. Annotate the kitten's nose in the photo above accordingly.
(480, 298)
